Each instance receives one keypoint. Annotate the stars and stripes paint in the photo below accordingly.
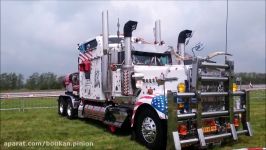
(143, 99)
(85, 56)
(85, 53)
(160, 103)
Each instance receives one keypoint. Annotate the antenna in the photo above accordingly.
(118, 25)
(225, 57)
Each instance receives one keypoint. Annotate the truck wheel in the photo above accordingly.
(61, 107)
(70, 110)
(150, 130)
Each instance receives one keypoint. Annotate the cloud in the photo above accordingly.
(43, 36)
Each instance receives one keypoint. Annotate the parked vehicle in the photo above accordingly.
(125, 81)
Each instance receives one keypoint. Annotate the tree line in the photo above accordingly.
(253, 77)
(45, 81)
(36, 81)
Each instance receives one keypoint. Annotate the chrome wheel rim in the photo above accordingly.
(148, 129)
(61, 108)
(69, 110)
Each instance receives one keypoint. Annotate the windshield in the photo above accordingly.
(114, 40)
(152, 59)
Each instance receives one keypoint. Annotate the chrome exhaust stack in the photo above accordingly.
(127, 68)
(105, 61)
(105, 30)
(183, 35)
(157, 31)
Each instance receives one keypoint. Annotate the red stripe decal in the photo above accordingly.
(83, 58)
(138, 103)
(89, 53)
(148, 97)
(134, 111)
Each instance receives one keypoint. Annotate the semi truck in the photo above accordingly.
(169, 100)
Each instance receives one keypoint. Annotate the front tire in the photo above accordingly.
(150, 130)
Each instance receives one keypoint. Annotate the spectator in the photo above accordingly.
(250, 85)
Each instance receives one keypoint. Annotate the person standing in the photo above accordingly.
(250, 85)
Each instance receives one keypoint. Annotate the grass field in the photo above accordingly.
(40, 125)
(25, 103)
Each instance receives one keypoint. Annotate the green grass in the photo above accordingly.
(258, 124)
(46, 125)
(28, 103)
(28, 90)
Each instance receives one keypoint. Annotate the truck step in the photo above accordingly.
(94, 112)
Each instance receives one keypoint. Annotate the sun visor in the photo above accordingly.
(150, 48)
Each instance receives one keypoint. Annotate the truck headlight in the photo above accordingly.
(139, 84)
(181, 87)
(235, 87)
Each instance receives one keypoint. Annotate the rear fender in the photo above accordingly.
(71, 99)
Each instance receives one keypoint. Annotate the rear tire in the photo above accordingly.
(70, 110)
(150, 130)
(61, 107)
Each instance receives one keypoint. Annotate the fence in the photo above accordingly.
(28, 102)
(38, 100)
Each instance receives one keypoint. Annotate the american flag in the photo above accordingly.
(143, 99)
(160, 103)
(85, 55)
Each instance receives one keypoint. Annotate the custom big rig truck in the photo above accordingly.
(165, 97)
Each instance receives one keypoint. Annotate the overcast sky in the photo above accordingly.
(42, 36)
